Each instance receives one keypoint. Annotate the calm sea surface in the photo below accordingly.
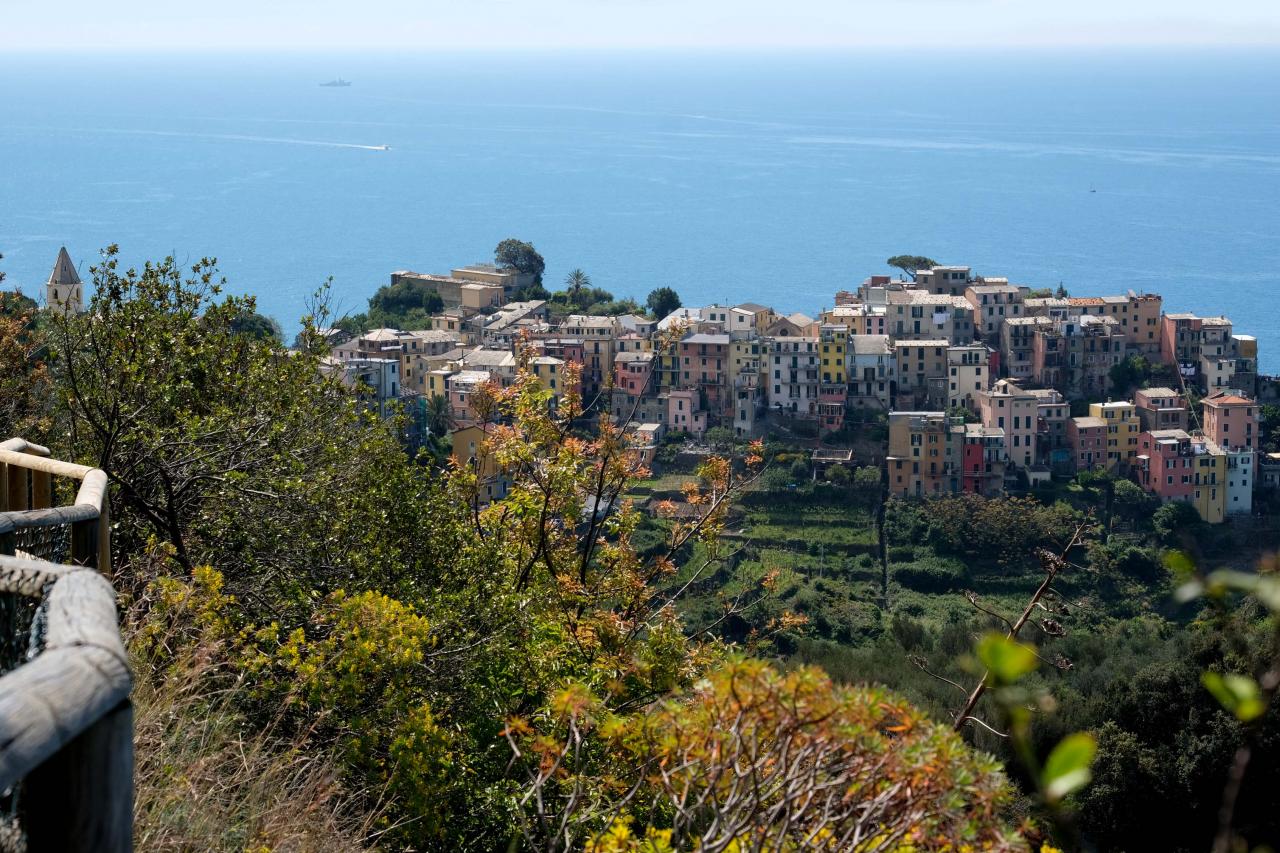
(771, 178)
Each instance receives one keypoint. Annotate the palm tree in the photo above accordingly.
(576, 282)
(439, 418)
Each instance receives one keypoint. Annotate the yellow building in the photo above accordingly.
(1123, 428)
(437, 382)
(470, 452)
(550, 373)
(747, 385)
(1210, 481)
(834, 340)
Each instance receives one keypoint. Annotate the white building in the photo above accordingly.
(1241, 463)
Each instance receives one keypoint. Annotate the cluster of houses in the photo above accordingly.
(977, 376)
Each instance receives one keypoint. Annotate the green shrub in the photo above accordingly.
(901, 553)
(936, 574)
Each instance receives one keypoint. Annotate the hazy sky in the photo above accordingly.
(130, 25)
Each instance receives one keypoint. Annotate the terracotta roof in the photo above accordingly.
(1228, 400)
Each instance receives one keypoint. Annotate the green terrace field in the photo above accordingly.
(813, 552)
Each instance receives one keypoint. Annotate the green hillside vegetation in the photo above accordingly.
(1125, 658)
(337, 646)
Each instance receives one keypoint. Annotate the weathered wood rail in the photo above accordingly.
(66, 725)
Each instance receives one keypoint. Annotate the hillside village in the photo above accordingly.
(986, 386)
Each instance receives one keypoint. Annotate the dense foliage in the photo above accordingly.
(520, 256)
(910, 264)
(336, 640)
(425, 670)
(662, 301)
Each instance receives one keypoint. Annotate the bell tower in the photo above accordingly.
(63, 290)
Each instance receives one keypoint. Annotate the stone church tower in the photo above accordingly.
(63, 290)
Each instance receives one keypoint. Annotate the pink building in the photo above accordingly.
(704, 364)
(832, 398)
(1007, 407)
(463, 388)
(1087, 438)
(1231, 420)
(685, 413)
(1166, 464)
(633, 373)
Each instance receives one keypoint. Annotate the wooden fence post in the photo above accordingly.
(19, 479)
(80, 800)
(41, 490)
(84, 542)
(104, 538)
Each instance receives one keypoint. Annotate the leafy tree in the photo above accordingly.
(613, 307)
(185, 414)
(911, 264)
(838, 475)
(1129, 374)
(24, 376)
(407, 304)
(720, 438)
(776, 479)
(16, 304)
(575, 282)
(530, 292)
(353, 324)
(1174, 519)
(662, 301)
(258, 326)
(998, 528)
(1132, 503)
(867, 477)
(1270, 427)
(805, 776)
(439, 418)
(520, 256)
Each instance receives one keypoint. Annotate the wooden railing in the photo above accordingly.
(30, 523)
(66, 725)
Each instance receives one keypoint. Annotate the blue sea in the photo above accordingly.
(775, 178)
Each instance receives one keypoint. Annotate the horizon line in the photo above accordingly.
(816, 50)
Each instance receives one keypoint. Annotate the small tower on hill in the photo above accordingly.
(63, 290)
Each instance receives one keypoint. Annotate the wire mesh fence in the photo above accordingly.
(21, 640)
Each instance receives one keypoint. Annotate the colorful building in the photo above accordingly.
(1087, 437)
(1009, 408)
(920, 454)
(1175, 466)
(1161, 408)
(873, 371)
(967, 375)
(982, 458)
(1123, 429)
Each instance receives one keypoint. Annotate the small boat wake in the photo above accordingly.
(240, 137)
